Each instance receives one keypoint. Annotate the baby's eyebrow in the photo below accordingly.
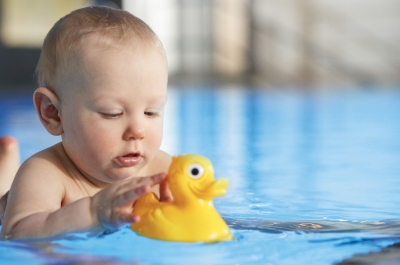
(157, 108)
(104, 101)
(102, 98)
(159, 100)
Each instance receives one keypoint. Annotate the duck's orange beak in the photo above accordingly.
(215, 189)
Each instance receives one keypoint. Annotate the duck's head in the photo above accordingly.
(193, 176)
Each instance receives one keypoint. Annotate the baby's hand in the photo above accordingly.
(112, 207)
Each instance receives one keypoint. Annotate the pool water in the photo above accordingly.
(314, 178)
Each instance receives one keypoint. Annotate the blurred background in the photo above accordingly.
(264, 43)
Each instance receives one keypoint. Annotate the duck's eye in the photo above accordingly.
(195, 171)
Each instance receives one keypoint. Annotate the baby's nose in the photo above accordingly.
(134, 131)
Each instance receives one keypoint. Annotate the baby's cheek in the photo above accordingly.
(155, 140)
(102, 139)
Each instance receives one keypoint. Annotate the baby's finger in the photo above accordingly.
(152, 180)
(127, 219)
(165, 192)
(130, 196)
(138, 182)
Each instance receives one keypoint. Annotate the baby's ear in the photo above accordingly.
(47, 106)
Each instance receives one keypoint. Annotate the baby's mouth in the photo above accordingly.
(132, 155)
(128, 160)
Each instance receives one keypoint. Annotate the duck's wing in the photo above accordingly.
(145, 203)
(151, 210)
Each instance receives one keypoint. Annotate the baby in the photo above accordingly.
(102, 78)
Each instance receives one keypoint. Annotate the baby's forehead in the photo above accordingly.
(98, 45)
(99, 57)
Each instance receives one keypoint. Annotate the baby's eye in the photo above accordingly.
(111, 115)
(150, 113)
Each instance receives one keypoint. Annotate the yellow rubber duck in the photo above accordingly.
(191, 216)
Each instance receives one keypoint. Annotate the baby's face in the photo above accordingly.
(113, 117)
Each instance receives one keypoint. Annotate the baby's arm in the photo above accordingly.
(34, 208)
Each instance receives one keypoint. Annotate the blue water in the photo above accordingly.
(315, 177)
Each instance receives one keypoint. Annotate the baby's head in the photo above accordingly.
(76, 33)
(102, 78)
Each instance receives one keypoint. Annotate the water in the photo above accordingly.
(315, 178)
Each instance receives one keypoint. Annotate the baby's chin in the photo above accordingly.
(125, 173)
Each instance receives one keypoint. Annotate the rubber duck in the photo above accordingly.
(191, 216)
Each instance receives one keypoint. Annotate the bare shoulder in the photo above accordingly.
(42, 164)
(37, 186)
(160, 163)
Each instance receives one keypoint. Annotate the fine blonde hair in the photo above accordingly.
(69, 36)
